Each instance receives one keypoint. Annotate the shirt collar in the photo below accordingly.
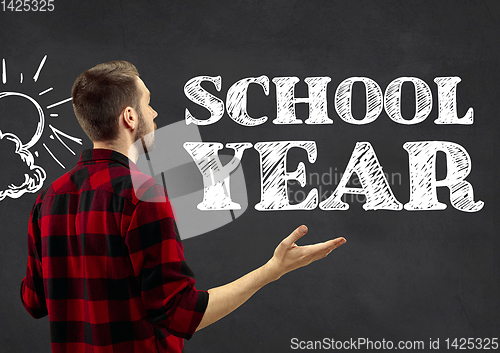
(93, 155)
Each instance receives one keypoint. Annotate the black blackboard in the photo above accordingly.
(402, 276)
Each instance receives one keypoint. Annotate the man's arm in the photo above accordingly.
(32, 290)
(287, 257)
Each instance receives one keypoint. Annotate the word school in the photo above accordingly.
(363, 161)
(236, 100)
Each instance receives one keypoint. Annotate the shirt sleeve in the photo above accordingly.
(32, 289)
(157, 256)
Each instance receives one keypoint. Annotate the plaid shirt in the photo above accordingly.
(105, 262)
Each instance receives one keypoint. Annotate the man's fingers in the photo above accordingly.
(335, 243)
(295, 235)
(320, 250)
(332, 245)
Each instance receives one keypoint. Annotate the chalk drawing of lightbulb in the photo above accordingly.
(36, 175)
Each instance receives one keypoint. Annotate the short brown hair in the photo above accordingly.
(99, 96)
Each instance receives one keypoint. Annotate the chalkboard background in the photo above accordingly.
(402, 275)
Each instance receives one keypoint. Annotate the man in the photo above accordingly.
(105, 261)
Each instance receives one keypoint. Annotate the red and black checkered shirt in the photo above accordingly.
(105, 262)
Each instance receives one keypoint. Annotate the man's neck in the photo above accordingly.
(131, 153)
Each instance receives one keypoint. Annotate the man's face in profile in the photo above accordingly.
(146, 115)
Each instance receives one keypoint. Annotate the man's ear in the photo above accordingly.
(129, 118)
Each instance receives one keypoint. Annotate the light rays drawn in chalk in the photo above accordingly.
(47, 90)
(33, 180)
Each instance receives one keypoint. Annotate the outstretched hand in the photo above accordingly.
(288, 256)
